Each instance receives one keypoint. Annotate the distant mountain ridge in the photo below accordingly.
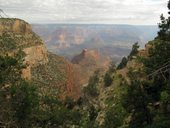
(69, 39)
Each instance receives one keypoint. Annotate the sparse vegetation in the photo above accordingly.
(7, 43)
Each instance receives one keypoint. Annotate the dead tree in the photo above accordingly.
(164, 71)
(3, 14)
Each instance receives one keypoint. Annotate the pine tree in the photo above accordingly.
(158, 89)
(134, 51)
(164, 26)
(135, 102)
(18, 98)
(122, 63)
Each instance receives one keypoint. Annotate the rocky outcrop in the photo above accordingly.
(26, 73)
(87, 62)
(15, 25)
(145, 52)
(85, 56)
(35, 55)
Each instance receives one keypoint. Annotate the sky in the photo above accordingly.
(135, 12)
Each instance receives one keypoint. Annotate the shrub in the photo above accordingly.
(107, 80)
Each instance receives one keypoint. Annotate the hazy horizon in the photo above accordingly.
(94, 24)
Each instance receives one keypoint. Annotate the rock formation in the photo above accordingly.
(88, 61)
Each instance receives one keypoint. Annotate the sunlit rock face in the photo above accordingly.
(15, 25)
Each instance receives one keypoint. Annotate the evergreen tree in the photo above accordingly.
(24, 103)
(135, 102)
(122, 63)
(134, 50)
(18, 98)
(158, 89)
(108, 79)
(164, 26)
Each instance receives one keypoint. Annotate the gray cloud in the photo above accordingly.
(86, 11)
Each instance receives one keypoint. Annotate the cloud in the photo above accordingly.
(88, 11)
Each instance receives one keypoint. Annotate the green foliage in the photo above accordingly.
(115, 114)
(158, 55)
(9, 67)
(164, 26)
(107, 79)
(19, 99)
(124, 60)
(165, 97)
(7, 43)
(114, 117)
(122, 63)
(89, 116)
(135, 103)
(24, 102)
(57, 113)
(160, 122)
(92, 113)
(157, 89)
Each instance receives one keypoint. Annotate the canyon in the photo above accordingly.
(52, 74)
(113, 41)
